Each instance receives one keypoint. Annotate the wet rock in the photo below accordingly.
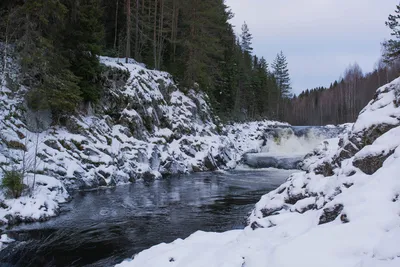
(196, 168)
(260, 160)
(102, 181)
(210, 163)
(330, 214)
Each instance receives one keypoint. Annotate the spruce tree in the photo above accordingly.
(281, 73)
(245, 39)
(45, 70)
(82, 40)
(392, 46)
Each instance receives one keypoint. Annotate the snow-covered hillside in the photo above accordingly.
(342, 211)
(143, 127)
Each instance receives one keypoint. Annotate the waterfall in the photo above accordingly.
(285, 147)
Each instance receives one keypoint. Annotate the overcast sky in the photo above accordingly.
(320, 38)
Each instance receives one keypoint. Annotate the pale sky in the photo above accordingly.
(320, 38)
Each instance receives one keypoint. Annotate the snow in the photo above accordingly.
(380, 110)
(44, 202)
(347, 219)
(4, 241)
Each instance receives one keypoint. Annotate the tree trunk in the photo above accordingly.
(35, 162)
(116, 26)
(3, 80)
(137, 31)
(128, 30)
(155, 34)
(160, 34)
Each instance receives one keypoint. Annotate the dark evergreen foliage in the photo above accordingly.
(392, 47)
(59, 42)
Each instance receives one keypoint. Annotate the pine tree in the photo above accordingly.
(82, 40)
(45, 70)
(281, 73)
(392, 47)
(246, 38)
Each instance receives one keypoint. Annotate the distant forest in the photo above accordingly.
(58, 42)
(343, 100)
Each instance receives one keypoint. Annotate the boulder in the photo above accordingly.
(371, 163)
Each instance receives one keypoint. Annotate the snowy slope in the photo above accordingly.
(343, 210)
(143, 127)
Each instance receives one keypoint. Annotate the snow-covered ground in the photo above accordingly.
(343, 210)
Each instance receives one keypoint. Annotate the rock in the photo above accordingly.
(148, 176)
(344, 218)
(53, 144)
(371, 164)
(370, 135)
(102, 181)
(292, 199)
(73, 126)
(268, 212)
(325, 169)
(90, 152)
(210, 163)
(330, 214)
(255, 225)
(196, 168)
(261, 160)
(104, 174)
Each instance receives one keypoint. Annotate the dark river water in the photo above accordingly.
(104, 227)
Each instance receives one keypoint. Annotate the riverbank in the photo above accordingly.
(342, 211)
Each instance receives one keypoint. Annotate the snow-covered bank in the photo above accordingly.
(343, 210)
(4, 241)
(42, 204)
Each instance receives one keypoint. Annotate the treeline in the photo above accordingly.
(59, 40)
(343, 100)
(58, 43)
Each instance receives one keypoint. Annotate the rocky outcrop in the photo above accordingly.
(338, 164)
(371, 163)
(143, 127)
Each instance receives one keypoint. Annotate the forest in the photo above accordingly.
(58, 42)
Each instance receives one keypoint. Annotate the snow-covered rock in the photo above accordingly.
(4, 241)
(143, 127)
(342, 210)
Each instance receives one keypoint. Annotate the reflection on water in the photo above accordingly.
(101, 228)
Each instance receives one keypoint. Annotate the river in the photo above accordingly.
(106, 226)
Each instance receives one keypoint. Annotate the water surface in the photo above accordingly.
(103, 227)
